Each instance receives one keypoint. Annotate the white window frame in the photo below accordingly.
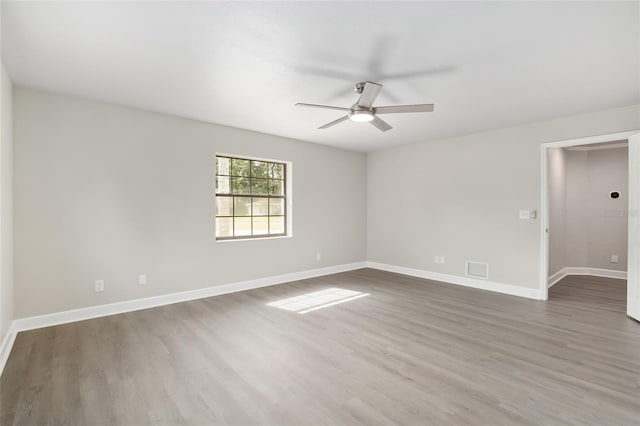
(288, 198)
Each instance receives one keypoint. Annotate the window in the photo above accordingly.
(251, 198)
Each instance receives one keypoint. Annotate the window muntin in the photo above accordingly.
(250, 198)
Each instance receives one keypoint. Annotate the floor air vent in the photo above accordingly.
(477, 269)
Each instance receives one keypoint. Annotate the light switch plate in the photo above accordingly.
(525, 214)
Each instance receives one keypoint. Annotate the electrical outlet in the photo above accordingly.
(142, 279)
(99, 286)
(441, 259)
(614, 258)
(525, 214)
(318, 256)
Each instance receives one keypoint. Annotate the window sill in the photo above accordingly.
(235, 240)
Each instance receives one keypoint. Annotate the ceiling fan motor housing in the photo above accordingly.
(360, 114)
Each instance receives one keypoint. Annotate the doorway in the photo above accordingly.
(629, 211)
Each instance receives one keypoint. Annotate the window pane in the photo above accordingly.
(240, 167)
(242, 206)
(260, 169)
(260, 225)
(224, 227)
(276, 224)
(223, 165)
(259, 186)
(276, 187)
(277, 171)
(260, 206)
(222, 185)
(250, 198)
(242, 226)
(224, 206)
(240, 185)
(276, 206)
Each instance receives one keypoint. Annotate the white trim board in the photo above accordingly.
(553, 279)
(596, 272)
(90, 312)
(7, 345)
(513, 290)
(598, 147)
(610, 137)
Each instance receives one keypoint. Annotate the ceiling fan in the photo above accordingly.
(364, 111)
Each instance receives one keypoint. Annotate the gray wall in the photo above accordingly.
(6, 204)
(557, 182)
(460, 197)
(577, 236)
(586, 226)
(103, 192)
(608, 170)
(597, 223)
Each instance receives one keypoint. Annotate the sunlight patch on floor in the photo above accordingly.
(313, 301)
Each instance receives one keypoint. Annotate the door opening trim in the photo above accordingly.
(544, 195)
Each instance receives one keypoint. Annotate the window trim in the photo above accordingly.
(288, 191)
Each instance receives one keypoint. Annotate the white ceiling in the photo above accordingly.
(485, 65)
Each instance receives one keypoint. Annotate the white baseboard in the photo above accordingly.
(47, 320)
(63, 317)
(7, 345)
(553, 279)
(56, 318)
(596, 272)
(40, 321)
(513, 290)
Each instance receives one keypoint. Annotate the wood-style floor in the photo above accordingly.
(413, 352)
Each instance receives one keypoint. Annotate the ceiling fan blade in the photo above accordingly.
(416, 73)
(380, 124)
(394, 109)
(327, 72)
(334, 122)
(369, 94)
(323, 106)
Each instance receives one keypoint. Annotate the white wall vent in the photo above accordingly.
(477, 269)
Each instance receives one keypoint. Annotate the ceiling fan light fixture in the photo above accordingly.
(363, 111)
(361, 116)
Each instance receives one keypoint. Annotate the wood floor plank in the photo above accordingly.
(412, 352)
